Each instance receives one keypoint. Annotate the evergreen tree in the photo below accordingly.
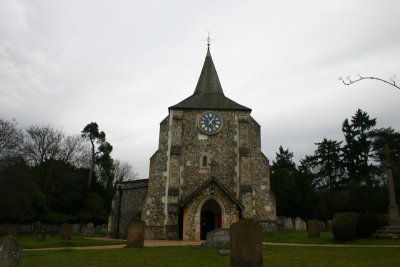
(101, 155)
(358, 148)
(325, 165)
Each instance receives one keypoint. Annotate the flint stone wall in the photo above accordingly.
(239, 165)
(133, 195)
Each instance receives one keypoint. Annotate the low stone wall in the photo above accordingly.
(126, 206)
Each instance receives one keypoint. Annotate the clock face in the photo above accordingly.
(210, 123)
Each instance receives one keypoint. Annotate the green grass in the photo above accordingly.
(274, 256)
(28, 241)
(325, 238)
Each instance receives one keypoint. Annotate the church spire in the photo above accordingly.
(208, 81)
(208, 93)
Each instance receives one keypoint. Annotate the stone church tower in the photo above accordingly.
(208, 171)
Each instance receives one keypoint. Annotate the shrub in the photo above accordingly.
(343, 226)
(368, 224)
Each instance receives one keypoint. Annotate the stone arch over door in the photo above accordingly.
(210, 217)
(211, 211)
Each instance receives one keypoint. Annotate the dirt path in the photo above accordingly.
(147, 243)
(181, 243)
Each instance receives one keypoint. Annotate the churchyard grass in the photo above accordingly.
(299, 237)
(274, 256)
(28, 241)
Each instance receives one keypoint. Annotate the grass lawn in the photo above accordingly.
(186, 256)
(28, 241)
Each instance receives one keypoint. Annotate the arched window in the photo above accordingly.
(205, 163)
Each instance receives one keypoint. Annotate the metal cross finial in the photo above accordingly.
(208, 39)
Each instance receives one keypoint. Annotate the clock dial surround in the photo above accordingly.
(210, 122)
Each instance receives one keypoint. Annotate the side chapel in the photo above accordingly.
(207, 173)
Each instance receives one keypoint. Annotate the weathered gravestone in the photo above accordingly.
(76, 229)
(90, 230)
(313, 228)
(136, 233)
(246, 244)
(218, 238)
(12, 230)
(38, 231)
(10, 252)
(299, 224)
(289, 225)
(65, 234)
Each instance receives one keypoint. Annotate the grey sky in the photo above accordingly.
(123, 63)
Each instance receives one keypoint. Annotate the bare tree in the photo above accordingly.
(76, 151)
(123, 171)
(348, 80)
(42, 143)
(11, 139)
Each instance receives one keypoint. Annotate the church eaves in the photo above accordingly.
(208, 93)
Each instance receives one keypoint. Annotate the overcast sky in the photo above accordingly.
(123, 63)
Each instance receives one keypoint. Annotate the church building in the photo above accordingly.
(207, 173)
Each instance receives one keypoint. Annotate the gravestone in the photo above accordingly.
(65, 234)
(246, 244)
(101, 229)
(90, 230)
(313, 228)
(38, 231)
(299, 224)
(76, 229)
(281, 222)
(218, 238)
(12, 230)
(289, 225)
(135, 237)
(10, 252)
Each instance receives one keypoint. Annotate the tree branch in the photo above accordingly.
(348, 81)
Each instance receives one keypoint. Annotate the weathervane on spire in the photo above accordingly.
(208, 39)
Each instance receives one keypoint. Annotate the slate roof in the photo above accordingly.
(207, 183)
(208, 93)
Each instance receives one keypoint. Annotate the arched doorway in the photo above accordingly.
(211, 217)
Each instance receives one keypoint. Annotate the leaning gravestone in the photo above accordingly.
(299, 224)
(90, 230)
(10, 252)
(289, 225)
(246, 244)
(65, 234)
(136, 233)
(218, 238)
(38, 231)
(313, 228)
